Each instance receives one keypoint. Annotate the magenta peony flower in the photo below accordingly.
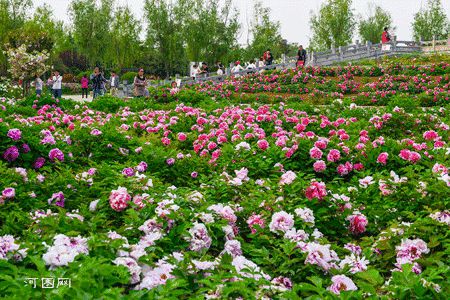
(358, 223)
(39, 163)
(262, 144)
(181, 136)
(194, 174)
(11, 154)
(56, 154)
(170, 161)
(382, 158)
(118, 199)
(316, 190)
(9, 193)
(14, 134)
(142, 167)
(25, 148)
(59, 197)
(129, 172)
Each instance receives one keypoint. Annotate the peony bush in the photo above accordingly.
(224, 200)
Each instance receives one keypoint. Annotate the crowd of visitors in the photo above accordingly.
(98, 82)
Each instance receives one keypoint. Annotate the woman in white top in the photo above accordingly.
(195, 71)
(57, 88)
(236, 69)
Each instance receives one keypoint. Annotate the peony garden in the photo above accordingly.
(317, 183)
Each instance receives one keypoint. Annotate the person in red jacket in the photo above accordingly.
(385, 36)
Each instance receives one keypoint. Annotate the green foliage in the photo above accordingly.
(431, 22)
(333, 25)
(265, 34)
(370, 29)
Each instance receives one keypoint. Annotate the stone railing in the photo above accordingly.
(325, 58)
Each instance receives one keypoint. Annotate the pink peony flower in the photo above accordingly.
(319, 166)
(287, 178)
(382, 158)
(334, 155)
(315, 153)
(281, 221)
(430, 135)
(59, 197)
(316, 190)
(39, 163)
(255, 220)
(9, 193)
(118, 199)
(129, 172)
(341, 283)
(181, 136)
(263, 144)
(358, 223)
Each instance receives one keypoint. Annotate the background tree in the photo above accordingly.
(431, 22)
(124, 45)
(210, 30)
(164, 41)
(13, 14)
(91, 25)
(25, 65)
(333, 25)
(370, 29)
(265, 34)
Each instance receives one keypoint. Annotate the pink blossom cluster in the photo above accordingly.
(64, 250)
(119, 199)
(409, 251)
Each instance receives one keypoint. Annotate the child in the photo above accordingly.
(174, 88)
(38, 84)
(84, 86)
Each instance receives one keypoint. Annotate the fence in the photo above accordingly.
(325, 58)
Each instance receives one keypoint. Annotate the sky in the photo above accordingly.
(293, 15)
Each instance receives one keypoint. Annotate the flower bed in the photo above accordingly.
(137, 198)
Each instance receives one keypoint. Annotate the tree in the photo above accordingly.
(125, 44)
(431, 22)
(12, 16)
(333, 25)
(91, 28)
(210, 30)
(164, 41)
(24, 65)
(265, 33)
(370, 29)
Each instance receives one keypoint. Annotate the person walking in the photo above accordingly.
(220, 68)
(114, 84)
(57, 85)
(38, 84)
(385, 36)
(84, 86)
(195, 71)
(268, 57)
(98, 83)
(140, 84)
(301, 56)
(236, 69)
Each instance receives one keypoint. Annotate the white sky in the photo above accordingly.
(294, 15)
